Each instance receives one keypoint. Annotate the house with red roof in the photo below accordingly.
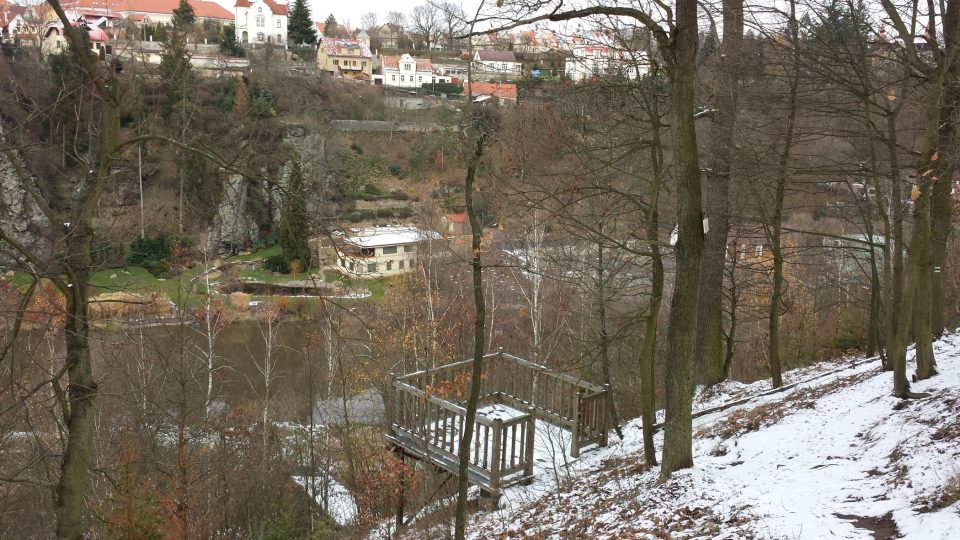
(55, 40)
(261, 21)
(11, 19)
(105, 12)
(408, 72)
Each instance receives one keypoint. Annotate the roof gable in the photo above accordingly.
(496, 56)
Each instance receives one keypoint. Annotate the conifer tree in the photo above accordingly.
(183, 16)
(295, 226)
(228, 42)
(300, 28)
(330, 26)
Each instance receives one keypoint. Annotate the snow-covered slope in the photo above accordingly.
(835, 457)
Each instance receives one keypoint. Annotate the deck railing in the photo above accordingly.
(430, 414)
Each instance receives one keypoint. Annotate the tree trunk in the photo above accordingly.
(899, 311)
(678, 430)
(649, 348)
(82, 390)
(708, 346)
(776, 224)
(473, 160)
(941, 207)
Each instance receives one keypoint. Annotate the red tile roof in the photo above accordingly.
(201, 8)
(455, 218)
(393, 62)
(275, 8)
(498, 90)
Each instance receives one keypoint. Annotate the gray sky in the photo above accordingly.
(352, 10)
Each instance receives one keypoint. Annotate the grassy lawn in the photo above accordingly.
(137, 280)
(256, 255)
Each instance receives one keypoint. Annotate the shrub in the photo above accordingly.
(154, 254)
(356, 148)
(443, 88)
(396, 170)
(276, 263)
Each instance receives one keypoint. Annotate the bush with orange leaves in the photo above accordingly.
(380, 484)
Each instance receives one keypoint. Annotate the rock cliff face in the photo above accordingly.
(234, 228)
(20, 217)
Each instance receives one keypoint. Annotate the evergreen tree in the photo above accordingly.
(295, 227)
(183, 16)
(330, 26)
(228, 42)
(177, 78)
(300, 28)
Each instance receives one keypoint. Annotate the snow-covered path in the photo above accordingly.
(837, 457)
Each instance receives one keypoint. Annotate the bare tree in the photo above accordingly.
(397, 20)
(426, 24)
(368, 20)
(454, 22)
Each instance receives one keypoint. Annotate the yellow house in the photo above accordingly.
(346, 58)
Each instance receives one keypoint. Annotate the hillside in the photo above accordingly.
(834, 457)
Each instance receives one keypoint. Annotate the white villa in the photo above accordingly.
(381, 251)
(408, 72)
(261, 21)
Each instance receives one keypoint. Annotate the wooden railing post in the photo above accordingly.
(495, 450)
(575, 430)
(531, 439)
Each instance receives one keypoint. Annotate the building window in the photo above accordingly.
(363, 64)
(279, 38)
(420, 78)
(393, 77)
(260, 20)
(389, 266)
(408, 249)
(342, 262)
(372, 267)
(351, 266)
(389, 250)
(336, 62)
(503, 66)
(279, 23)
(260, 36)
(400, 265)
(408, 67)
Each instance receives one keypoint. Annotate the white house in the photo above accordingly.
(55, 40)
(496, 62)
(587, 61)
(261, 21)
(409, 72)
(382, 251)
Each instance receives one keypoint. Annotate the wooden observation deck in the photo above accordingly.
(430, 411)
